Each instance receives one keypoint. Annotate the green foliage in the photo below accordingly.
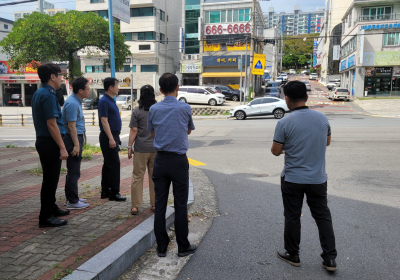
(40, 37)
(10, 146)
(297, 51)
(89, 149)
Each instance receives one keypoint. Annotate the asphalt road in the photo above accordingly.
(363, 193)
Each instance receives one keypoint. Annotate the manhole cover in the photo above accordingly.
(261, 175)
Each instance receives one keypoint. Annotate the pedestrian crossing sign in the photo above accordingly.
(259, 64)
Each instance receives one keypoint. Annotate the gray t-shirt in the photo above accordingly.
(304, 134)
(144, 141)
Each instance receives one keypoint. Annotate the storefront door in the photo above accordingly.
(378, 80)
(396, 86)
(12, 95)
(30, 89)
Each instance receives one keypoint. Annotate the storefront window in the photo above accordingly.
(378, 80)
(149, 68)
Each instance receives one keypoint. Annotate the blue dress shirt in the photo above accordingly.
(72, 112)
(171, 120)
(45, 106)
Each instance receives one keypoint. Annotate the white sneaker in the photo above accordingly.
(78, 205)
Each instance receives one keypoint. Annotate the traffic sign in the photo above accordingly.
(259, 64)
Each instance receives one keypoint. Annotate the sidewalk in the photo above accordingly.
(389, 108)
(30, 252)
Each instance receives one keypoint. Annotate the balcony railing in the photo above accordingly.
(378, 17)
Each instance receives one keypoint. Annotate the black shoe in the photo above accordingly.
(116, 197)
(59, 212)
(190, 250)
(104, 195)
(329, 265)
(161, 253)
(52, 222)
(293, 260)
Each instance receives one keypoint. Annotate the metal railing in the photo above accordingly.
(26, 119)
(378, 17)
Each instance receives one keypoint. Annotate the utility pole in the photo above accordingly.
(110, 24)
(252, 43)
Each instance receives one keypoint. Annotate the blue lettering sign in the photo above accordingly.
(351, 61)
(373, 26)
(377, 26)
(369, 27)
(395, 25)
(343, 65)
(386, 26)
(391, 25)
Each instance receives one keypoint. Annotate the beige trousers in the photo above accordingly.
(141, 161)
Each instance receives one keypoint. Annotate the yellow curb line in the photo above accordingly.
(195, 162)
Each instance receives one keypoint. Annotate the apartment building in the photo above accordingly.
(153, 37)
(370, 48)
(296, 23)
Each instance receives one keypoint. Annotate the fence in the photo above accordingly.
(26, 119)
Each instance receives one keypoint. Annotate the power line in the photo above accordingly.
(16, 3)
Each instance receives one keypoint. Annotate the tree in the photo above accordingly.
(40, 37)
(297, 50)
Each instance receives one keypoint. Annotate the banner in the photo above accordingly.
(181, 40)
(194, 67)
(387, 58)
(121, 10)
(4, 69)
(336, 52)
(315, 52)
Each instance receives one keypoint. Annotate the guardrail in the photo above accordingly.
(27, 119)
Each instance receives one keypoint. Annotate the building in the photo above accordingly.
(370, 48)
(48, 8)
(225, 35)
(296, 23)
(331, 33)
(152, 37)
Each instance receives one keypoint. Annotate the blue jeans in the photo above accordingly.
(74, 169)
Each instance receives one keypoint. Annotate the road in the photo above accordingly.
(363, 193)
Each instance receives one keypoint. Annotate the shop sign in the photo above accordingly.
(211, 48)
(126, 82)
(121, 82)
(318, 29)
(10, 81)
(343, 64)
(32, 81)
(387, 58)
(238, 47)
(315, 52)
(396, 72)
(4, 69)
(228, 60)
(378, 71)
(219, 29)
(181, 39)
(361, 47)
(191, 67)
(380, 26)
(351, 61)
(336, 52)
(121, 10)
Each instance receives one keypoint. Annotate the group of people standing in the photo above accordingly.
(159, 136)
(158, 142)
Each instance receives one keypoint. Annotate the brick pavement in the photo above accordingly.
(28, 252)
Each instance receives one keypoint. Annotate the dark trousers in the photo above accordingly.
(110, 174)
(49, 154)
(171, 168)
(293, 195)
(74, 169)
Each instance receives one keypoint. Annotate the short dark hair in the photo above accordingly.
(109, 82)
(45, 71)
(168, 83)
(296, 91)
(147, 97)
(79, 83)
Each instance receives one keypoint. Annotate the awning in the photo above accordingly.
(222, 74)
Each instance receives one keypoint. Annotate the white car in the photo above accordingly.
(313, 76)
(332, 84)
(308, 86)
(284, 78)
(279, 80)
(339, 93)
(262, 106)
(124, 101)
(200, 94)
(292, 71)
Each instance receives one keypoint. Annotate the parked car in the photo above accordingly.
(333, 84)
(308, 86)
(260, 107)
(305, 72)
(272, 84)
(200, 94)
(279, 80)
(313, 76)
(272, 92)
(265, 78)
(125, 101)
(292, 71)
(229, 92)
(90, 103)
(339, 93)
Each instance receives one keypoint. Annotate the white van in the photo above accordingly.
(200, 94)
(124, 101)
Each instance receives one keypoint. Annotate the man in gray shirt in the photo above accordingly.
(302, 137)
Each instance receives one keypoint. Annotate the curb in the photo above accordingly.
(372, 115)
(114, 260)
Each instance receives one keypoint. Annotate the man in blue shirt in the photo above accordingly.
(110, 127)
(170, 123)
(46, 112)
(302, 137)
(74, 124)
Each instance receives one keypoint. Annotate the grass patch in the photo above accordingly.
(57, 265)
(86, 157)
(375, 98)
(123, 151)
(10, 146)
(78, 259)
(36, 171)
(89, 149)
(226, 113)
(205, 114)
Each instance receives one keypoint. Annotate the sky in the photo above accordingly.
(279, 6)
